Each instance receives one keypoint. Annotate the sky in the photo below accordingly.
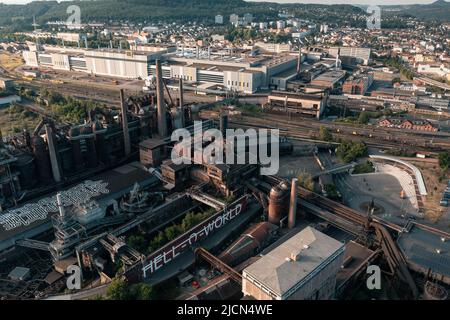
(380, 2)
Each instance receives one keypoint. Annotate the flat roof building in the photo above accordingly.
(302, 268)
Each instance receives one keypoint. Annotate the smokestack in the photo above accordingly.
(209, 53)
(223, 124)
(62, 212)
(85, 42)
(180, 88)
(52, 152)
(197, 52)
(161, 108)
(110, 44)
(293, 203)
(299, 60)
(126, 133)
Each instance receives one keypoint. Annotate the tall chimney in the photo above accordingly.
(223, 124)
(52, 153)
(62, 212)
(161, 108)
(180, 88)
(293, 203)
(126, 133)
(299, 60)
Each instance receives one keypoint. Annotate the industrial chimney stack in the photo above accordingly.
(180, 88)
(293, 203)
(126, 133)
(161, 107)
(62, 212)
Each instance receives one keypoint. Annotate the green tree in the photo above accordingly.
(364, 117)
(349, 151)
(444, 160)
(143, 291)
(118, 290)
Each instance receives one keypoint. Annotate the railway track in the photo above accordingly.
(309, 129)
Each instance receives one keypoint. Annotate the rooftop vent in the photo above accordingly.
(295, 256)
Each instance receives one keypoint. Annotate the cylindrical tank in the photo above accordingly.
(433, 291)
(40, 151)
(91, 152)
(278, 203)
(76, 149)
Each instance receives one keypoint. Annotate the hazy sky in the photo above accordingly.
(305, 1)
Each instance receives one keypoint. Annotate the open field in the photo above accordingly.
(9, 62)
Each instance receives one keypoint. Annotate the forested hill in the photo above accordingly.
(151, 10)
(437, 11)
(132, 10)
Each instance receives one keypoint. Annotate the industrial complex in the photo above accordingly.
(281, 159)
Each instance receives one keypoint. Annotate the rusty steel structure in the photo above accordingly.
(218, 264)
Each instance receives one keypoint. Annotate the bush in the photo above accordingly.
(444, 160)
(349, 151)
(118, 290)
(366, 167)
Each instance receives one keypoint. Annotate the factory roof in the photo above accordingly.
(330, 76)
(288, 264)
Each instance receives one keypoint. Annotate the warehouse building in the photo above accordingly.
(361, 55)
(302, 268)
(130, 64)
(244, 72)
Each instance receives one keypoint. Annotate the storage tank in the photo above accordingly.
(43, 166)
(76, 148)
(278, 203)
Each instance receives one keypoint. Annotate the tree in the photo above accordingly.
(396, 80)
(143, 291)
(118, 290)
(325, 134)
(444, 160)
(363, 117)
(349, 151)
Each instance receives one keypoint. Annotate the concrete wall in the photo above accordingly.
(31, 58)
(117, 64)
